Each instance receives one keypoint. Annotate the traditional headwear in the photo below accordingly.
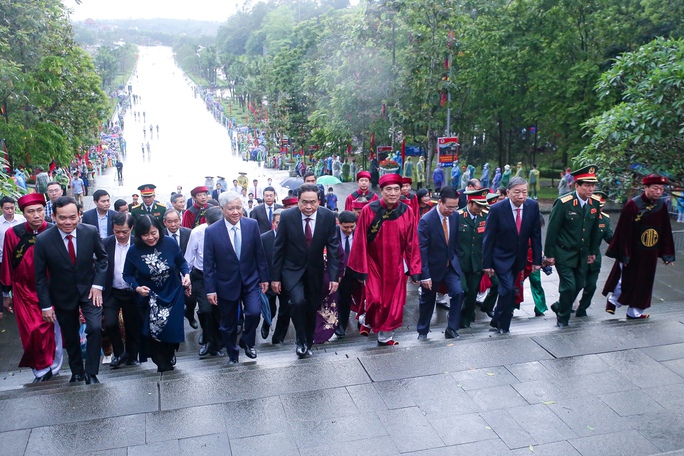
(586, 174)
(147, 189)
(478, 196)
(290, 201)
(30, 199)
(390, 179)
(200, 189)
(654, 179)
(361, 174)
(507, 167)
(359, 203)
(406, 180)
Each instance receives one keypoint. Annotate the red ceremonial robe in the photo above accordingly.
(357, 194)
(190, 216)
(381, 261)
(37, 336)
(643, 234)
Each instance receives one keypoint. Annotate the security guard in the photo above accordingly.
(149, 205)
(605, 234)
(471, 227)
(572, 240)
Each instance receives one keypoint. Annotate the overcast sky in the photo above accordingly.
(207, 10)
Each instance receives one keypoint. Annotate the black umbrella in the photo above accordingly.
(292, 182)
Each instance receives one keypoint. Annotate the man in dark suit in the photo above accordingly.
(263, 213)
(180, 234)
(438, 238)
(283, 321)
(349, 284)
(298, 265)
(100, 216)
(511, 225)
(71, 267)
(235, 271)
(117, 295)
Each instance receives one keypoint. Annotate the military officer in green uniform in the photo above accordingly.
(572, 240)
(149, 205)
(471, 226)
(605, 234)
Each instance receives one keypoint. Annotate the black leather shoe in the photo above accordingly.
(214, 352)
(561, 324)
(554, 308)
(537, 313)
(301, 351)
(43, 378)
(503, 331)
(450, 334)
(173, 360)
(249, 351)
(265, 330)
(191, 320)
(493, 324)
(132, 362)
(76, 378)
(581, 313)
(422, 336)
(444, 305)
(204, 351)
(119, 361)
(233, 361)
(91, 379)
(490, 313)
(340, 333)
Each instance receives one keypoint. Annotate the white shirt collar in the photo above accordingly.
(312, 216)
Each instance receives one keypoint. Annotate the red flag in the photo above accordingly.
(403, 150)
(349, 149)
(372, 142)
(443, 99)
(53, 166)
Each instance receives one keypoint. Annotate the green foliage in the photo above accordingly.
(646, 125)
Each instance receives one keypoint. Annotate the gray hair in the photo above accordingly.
(278, 211)
(516, 181)
(229, 197)
(213, 215)
(175, 197)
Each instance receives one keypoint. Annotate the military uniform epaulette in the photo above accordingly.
(161, 204)
(461, 211)
(137, 205)
(603, 214)
(485, 211)
(596, 197)
(566, 198)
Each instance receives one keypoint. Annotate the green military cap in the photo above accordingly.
(601, 196)
(586, 174)
(478, 196)
(492, 197)
(147, 189)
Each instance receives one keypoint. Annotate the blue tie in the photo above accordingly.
(237, 241)
(270, 215)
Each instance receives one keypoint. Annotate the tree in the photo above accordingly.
(644, 130)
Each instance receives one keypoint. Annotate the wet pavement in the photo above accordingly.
(602, 386)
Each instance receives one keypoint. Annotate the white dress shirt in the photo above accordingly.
(312, 223)
(441, 221)
(194, 253)
(229, 227)
(6, 225)
(120, 251)
(514, 210)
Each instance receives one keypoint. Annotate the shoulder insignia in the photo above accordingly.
(485, 211)
(460, 211)
(596, 197)
(603, 214)
(566, 198)
(136, 206)
(161, 205)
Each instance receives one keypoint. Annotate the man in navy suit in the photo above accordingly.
(511, 227)
(263, 213)
(298, 263)
(438, 239)
(268, 240)
(100, 216)
(235, 271)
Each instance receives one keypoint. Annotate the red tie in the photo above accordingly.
(518, 219)
(72, 250)
(307, 233)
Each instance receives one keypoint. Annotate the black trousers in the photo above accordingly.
(346, 289)
(503, 312)
(162, 354)
(124, 300)
(208, 315)
(304, 301)
(283, 321)
(471, 280)
(70, 324)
